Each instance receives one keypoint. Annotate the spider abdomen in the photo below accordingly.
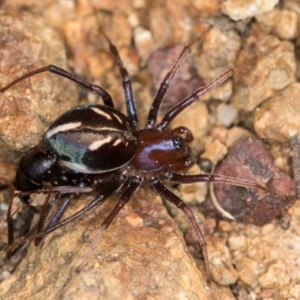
(88, 139)
(92, 139)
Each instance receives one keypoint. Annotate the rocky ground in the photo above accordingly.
(246, 128)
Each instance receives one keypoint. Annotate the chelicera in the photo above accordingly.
(97, 149)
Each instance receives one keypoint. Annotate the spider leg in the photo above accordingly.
(35, 229)
(57, 189)
(133, 184)
(161, 92)
(129, 98)
(98, 199)
(56, 70)
(9, 218)
(46, 210)
(179, 107)
(182, 179)
(54, 220)
(162, 190)
(44, 213)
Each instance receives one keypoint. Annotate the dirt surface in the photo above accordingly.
(143, 254)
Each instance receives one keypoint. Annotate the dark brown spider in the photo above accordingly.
(97, 149)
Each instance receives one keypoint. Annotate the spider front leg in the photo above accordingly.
(218, 178)
(189, 100)
(161, 92)
(160, 189)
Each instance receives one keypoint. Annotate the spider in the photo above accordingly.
(97, 149)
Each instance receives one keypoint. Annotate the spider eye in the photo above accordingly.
(177, 142)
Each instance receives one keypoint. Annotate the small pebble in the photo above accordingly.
(278, 118)
(226, 114)
(237, 242)
(268, 66)
(241, 10)
(267, 228)
(225, 226)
